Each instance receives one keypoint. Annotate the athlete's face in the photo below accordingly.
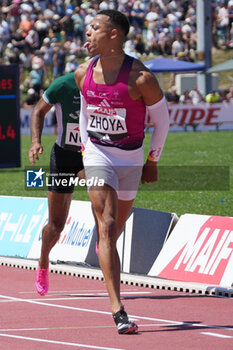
(99, 35)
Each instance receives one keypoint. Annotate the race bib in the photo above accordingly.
(107, 123)
(73, 138)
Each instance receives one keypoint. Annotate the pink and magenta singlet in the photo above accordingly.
(114, 118)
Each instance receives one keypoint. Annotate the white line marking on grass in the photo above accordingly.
(58, 342)
(216, 335)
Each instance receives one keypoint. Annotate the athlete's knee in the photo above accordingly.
(108, 229)
(55, 227)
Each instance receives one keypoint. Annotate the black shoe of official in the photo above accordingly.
(124, 325)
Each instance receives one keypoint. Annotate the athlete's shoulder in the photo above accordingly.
(81, 72)
(145, 82)
(140, 70)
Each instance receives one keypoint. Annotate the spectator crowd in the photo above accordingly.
(46, 37)
(194, 96)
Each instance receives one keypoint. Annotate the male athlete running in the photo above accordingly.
(65, 158)
(117, 92)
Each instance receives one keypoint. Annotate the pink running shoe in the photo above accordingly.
(42, 280)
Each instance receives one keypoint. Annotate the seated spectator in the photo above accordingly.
(172, 97)
(9, 52)
(185, 98)
(222, 96)
(31, 99)
(196, 95)
(32, 40)
(229, 96)
(212, 97)
(35, 76)
(177, 45)
(71, 65)
(18, 40)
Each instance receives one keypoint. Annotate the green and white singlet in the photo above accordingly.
(64, 94)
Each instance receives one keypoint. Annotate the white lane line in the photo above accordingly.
(58, 342)
(216, 335)
(169, 322)
(80, 291)
(62, 299)
(86, 296)
(74, 327)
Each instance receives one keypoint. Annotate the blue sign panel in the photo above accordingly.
(20, 219)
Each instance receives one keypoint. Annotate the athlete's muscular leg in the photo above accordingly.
(105, 209)
(59, 204)
(124, 208)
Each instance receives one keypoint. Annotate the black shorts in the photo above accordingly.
(64, 166)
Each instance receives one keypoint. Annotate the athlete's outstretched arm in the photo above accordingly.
(159, 116)
(37, 123)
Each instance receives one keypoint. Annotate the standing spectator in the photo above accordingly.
(47, 55)
(59, 58)
(79, 29)
(222, 23)
(26, 24)
(56, 27)
(25, 57)
(26, 7)
(15, 15)
(4, 34)
(41, 26)
(68, 24)
(138, 15)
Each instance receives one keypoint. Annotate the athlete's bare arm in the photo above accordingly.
(144, 86)
(37, 123)
(80, 74)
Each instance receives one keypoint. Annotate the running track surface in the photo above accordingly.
(76, 314)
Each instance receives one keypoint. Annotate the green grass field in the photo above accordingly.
(190, 151)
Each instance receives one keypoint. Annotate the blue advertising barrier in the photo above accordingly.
(20, 220)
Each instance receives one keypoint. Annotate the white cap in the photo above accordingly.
(31, 91)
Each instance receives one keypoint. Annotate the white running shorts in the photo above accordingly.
(120, 169)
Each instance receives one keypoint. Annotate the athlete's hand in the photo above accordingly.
(149, 172)
(33, 152)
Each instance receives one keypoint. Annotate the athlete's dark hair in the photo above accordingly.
(117, 18)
